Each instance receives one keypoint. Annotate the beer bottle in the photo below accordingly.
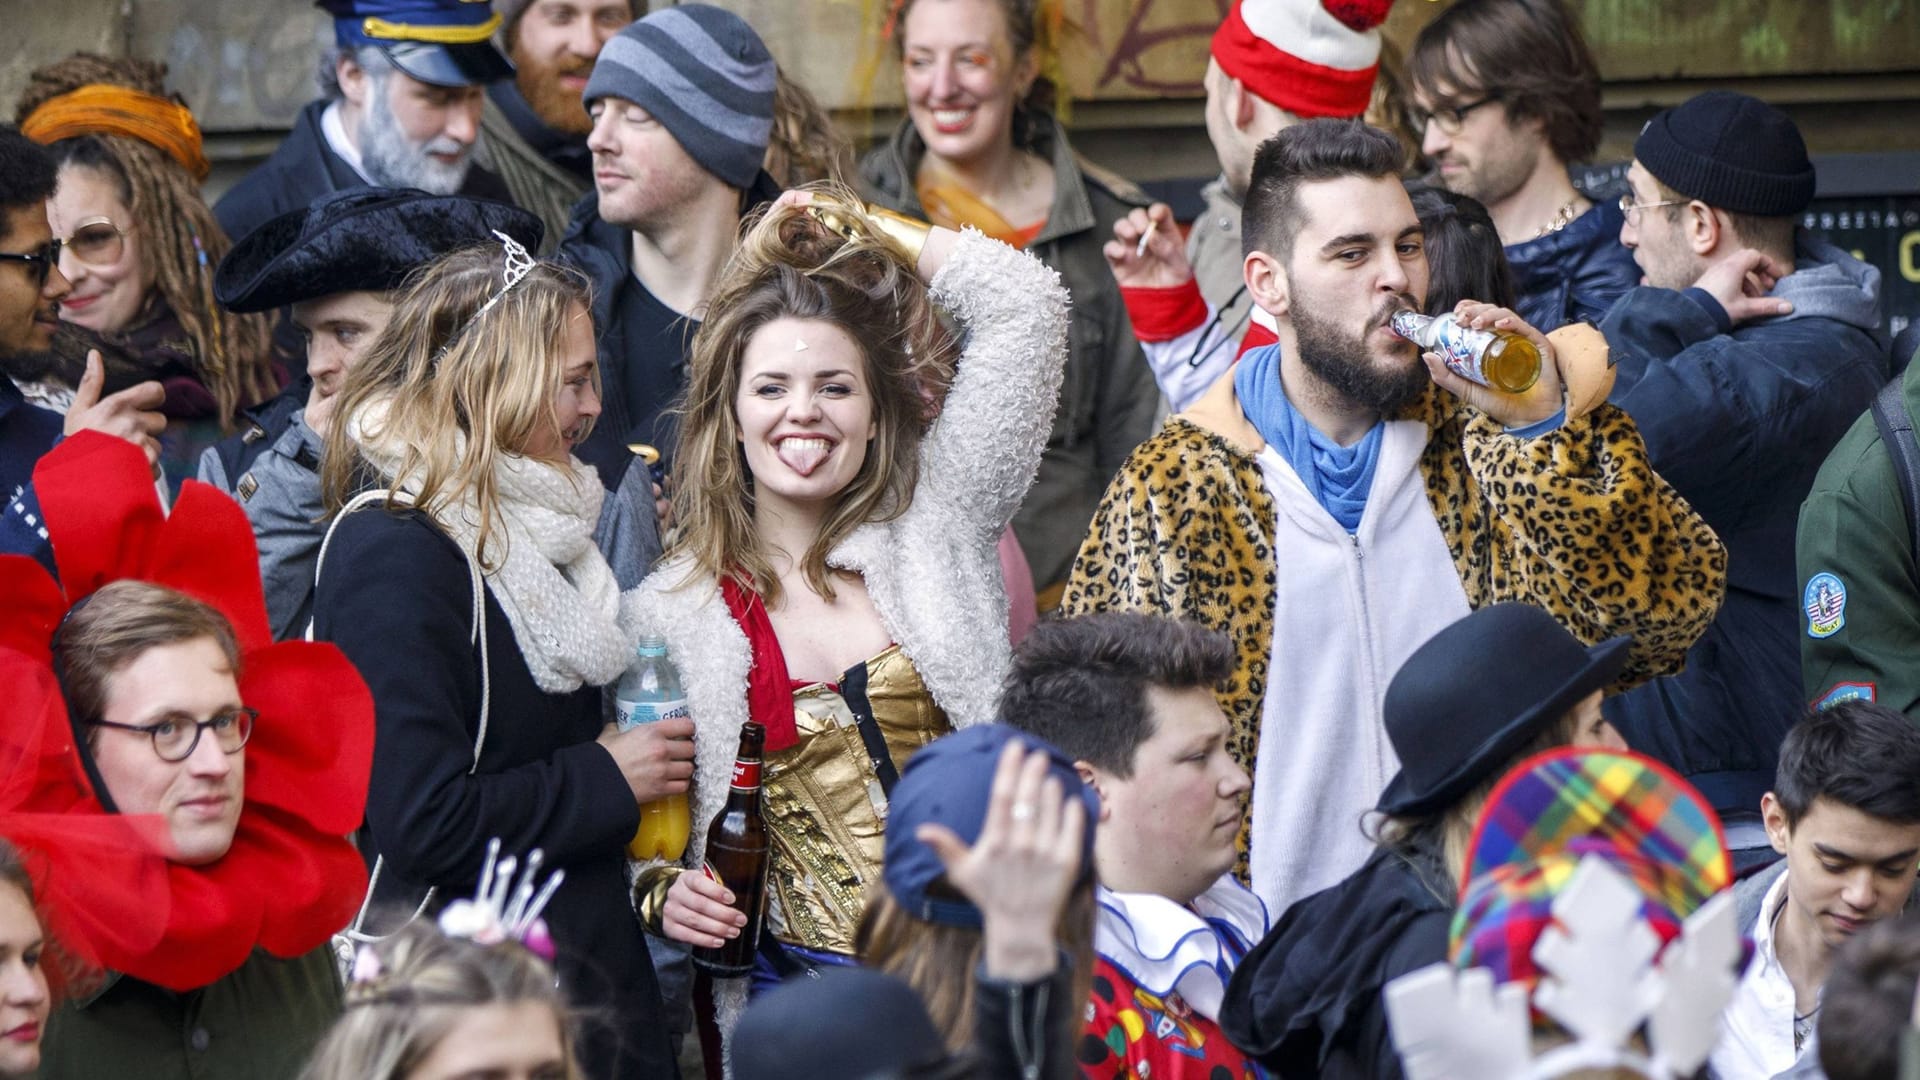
(737, 857)
(1501, 359)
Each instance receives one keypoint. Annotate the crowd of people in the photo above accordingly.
(1154, 664)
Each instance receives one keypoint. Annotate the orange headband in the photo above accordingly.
(100, 109)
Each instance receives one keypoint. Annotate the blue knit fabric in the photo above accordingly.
(1338, 477)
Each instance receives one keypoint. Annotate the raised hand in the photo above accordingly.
(1159, 263)
(132, 414)
(1741, 282)
(1023, 867)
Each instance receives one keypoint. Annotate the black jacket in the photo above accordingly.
(302, 169)
(395, 596)
(1306, 1002)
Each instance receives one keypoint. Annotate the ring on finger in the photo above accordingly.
(1022, 811)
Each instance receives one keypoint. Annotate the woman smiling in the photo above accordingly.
(837, 553)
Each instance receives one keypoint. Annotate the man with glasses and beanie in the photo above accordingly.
(1460, 712)
(31, 286)
(1747, 354)
(1505, 97)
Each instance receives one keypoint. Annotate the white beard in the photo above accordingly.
(394, 160)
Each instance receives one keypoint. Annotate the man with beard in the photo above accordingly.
(1271, 63)
(534, 128)
(31, 286)
(1506, 96)
(403, 91)
(682, 108)
(1333, 502)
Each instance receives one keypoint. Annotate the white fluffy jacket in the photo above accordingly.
(933, 572)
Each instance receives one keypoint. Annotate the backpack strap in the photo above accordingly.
(1896, 433)
(476, 636)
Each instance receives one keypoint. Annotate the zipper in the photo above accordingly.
(1369, 666)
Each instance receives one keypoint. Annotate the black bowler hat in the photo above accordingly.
(360, 239)
(1477, 693)
(850, 1022)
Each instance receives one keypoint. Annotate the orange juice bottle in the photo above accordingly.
(649, 691)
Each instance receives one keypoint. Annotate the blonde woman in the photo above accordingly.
(470, 594)
(835, 577)
(425, 1006)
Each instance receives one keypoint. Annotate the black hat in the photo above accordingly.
(850, 1022)
(1477, 693)
(1730, 151)
(440, 42)
(358, 239)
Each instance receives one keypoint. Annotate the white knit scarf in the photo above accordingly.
(554, 585)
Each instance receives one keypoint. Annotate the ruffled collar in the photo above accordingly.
(1167, 947)
(291, 878)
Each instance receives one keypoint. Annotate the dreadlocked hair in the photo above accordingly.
(790, 266)
(183, 241)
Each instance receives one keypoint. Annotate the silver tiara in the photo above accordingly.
(519, 263)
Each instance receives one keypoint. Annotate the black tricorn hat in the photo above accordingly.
(1477, 693)
(361, 239)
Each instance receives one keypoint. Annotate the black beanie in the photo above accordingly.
(1730, 151)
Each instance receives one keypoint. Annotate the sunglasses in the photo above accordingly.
(97, 242)
(39, 262)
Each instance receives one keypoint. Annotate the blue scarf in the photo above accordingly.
(1338, 477)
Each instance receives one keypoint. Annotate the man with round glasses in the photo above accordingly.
(31, 286)
(1505, 97)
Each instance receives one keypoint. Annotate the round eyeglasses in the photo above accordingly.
(177, 737)
(97, 242)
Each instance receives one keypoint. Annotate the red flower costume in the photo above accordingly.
(291, 878)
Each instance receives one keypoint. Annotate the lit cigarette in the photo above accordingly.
(1140, 248)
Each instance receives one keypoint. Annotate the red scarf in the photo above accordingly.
(769, 687)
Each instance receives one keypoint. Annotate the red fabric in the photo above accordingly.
(1301, 87)
(1255, 337)
(769, 689)
(1131, 1034)
(1164, 313)
(291, 878)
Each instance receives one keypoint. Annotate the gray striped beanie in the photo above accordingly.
(705, 75)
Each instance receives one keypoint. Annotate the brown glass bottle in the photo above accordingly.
(737, 857)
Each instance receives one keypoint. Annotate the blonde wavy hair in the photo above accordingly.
(789, 265)
(452, 390)
(395, 1020)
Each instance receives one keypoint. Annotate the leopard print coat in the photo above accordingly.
(1574, 521)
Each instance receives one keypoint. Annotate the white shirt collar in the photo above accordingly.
(335, 131)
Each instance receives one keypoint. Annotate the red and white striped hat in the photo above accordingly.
(1309, 57)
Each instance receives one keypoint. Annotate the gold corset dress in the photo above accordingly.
(825, 808)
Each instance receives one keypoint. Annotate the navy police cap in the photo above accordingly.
(439, 42)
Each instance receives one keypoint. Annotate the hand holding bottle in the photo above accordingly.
(656, 758)
(1540, 401)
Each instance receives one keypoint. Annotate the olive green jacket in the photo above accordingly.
(1860, 587)
(262, 1022)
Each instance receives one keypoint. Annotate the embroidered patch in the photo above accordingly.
(1826, 604)
(1846, 691)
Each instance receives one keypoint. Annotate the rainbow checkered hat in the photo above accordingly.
(1553, 810)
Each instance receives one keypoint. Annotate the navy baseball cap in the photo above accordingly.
(950, 782)
(438, 42)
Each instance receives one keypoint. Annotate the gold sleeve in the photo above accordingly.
(650, 896)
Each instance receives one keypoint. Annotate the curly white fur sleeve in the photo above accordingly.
(983, 451)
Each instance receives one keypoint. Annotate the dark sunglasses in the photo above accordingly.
(39, 263)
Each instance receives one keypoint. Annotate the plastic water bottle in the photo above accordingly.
(649, 691)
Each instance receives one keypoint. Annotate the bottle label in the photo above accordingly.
(628, 713)
(746, 775)
(1462, 348)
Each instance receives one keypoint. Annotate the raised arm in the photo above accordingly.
(982, 452)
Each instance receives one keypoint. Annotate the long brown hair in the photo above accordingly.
(449, 396)
(183, 240)
(789, 265)
(939, 961)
